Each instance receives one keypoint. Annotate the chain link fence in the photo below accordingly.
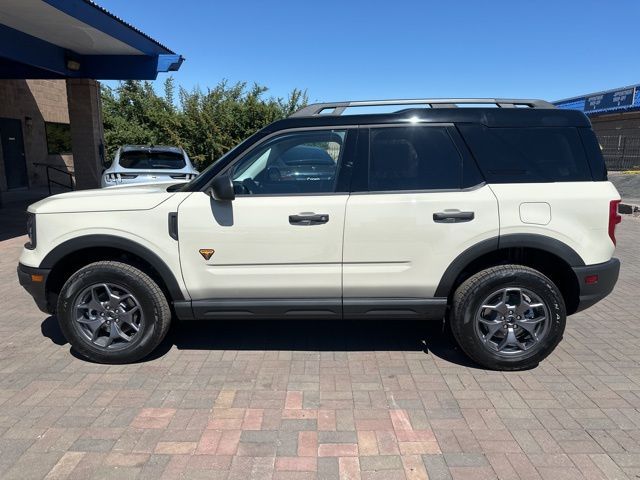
(620, 152)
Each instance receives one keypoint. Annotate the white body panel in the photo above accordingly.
(258, 254)
(146, 227)
(393, 247)
(579, 214)
(125, 197)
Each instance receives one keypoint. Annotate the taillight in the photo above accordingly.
(614, 219)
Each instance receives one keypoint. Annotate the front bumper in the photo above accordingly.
(34, 281)
(592, 293)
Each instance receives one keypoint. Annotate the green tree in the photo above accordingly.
(206, 123)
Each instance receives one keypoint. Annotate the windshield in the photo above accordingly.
(143, 160)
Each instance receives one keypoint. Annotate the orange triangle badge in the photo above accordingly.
(207, 253)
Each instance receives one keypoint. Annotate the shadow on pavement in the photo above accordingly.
(313, 336)
(51, 330)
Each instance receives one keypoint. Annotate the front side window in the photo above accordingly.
(413, 158)
(293, 163)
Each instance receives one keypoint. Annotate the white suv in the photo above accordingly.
(498, 218)
(135, 164)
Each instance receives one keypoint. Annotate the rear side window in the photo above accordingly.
(532, 154)
(413, 158)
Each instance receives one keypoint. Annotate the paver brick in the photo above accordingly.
(289, 402)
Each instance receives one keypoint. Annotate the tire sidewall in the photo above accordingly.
(144, 341)
(522, 278)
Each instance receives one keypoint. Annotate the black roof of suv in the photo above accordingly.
(483, 112)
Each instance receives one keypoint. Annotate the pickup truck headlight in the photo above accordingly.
(31, 231)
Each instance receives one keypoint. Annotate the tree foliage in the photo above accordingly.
(206, 123)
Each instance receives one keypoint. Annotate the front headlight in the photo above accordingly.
(31, 231)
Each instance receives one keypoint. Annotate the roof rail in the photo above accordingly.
(337, 108)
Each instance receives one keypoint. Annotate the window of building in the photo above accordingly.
(58, 138)
(413, 158)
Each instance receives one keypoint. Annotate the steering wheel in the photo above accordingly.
(274, 174)
(250, 186)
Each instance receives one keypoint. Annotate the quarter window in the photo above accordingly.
(413, 158)
(294, 163)
(528, 154)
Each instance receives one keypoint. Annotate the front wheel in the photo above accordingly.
(509, 317)
(112, 312)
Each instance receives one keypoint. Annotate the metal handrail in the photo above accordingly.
(70, 186)
(337, 108)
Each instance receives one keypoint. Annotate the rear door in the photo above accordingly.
(418, 202)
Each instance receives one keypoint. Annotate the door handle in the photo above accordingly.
(453, 216)
(309, 219)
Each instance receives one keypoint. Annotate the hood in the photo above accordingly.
(121, 197)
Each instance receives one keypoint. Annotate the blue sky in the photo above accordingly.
(371, 49)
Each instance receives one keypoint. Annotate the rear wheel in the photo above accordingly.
(112, 312)
(509, 317)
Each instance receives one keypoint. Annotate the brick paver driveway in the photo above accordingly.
(320, 400)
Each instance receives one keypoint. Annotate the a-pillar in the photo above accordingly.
(87, 135)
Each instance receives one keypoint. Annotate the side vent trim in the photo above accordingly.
(173, 225)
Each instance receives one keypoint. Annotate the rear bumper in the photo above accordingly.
(34, 281)
(592, 293)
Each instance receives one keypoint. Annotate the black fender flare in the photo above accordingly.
(112, 241)
(526, 240)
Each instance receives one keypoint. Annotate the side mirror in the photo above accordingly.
(221, 188)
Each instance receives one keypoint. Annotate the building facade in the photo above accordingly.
(34, 132)
(51, 55)
(615, 116)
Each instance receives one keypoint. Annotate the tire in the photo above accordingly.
(505, 336)
(109, 300)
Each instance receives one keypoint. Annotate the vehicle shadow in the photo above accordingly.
(431, 338)
(51, 330)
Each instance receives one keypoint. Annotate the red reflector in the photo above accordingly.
(614, 219)
(591, 279)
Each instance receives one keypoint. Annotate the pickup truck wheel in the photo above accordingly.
(112, 312)
(509, 317)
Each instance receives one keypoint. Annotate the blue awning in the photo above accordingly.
(76, 39)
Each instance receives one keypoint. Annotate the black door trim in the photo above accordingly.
(267, 308)
(312, 308)
(395, 308)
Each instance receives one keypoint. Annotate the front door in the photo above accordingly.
(276, 248)
(15, 166)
